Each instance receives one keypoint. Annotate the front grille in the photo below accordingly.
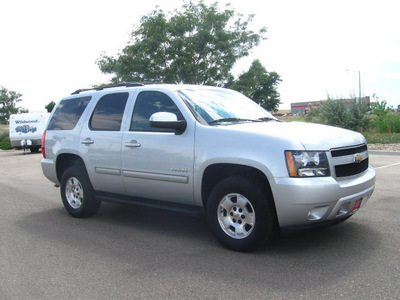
(349, 151)
(351, 169)
(344, 161)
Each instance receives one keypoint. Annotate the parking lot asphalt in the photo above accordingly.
(129, 252)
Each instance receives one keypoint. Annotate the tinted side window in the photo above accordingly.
(108, 113)
(68, 113)
(148, 103)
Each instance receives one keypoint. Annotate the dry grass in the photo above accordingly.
(3, 127)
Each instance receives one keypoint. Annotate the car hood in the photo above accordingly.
(311, 136)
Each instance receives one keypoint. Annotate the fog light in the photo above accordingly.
(317, 213)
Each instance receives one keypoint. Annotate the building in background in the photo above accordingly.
(301, 108)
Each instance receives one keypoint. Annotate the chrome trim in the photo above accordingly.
(107, 171)
(347, 159)
(156, 176)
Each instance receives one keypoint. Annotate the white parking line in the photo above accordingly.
(387, 166)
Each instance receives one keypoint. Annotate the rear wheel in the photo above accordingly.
(77, 193)
(241, 213)
(35, 149)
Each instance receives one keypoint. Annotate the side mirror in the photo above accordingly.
(168, 121)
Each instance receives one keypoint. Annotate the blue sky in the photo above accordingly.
(49, 48)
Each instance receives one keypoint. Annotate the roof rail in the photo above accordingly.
(99, 88)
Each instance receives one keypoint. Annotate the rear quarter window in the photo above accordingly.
(68, 113)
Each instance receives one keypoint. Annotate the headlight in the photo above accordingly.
(307, 163)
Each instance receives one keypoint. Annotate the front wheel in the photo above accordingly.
(241, 213)
(77, 193)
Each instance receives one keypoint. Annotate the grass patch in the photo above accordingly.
(382, 138)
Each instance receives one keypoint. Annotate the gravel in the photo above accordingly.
(384, 147)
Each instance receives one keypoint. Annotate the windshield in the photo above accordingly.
(223, 106)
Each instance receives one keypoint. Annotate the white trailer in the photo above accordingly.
(26, 130)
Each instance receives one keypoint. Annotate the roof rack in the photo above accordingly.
(99, 88)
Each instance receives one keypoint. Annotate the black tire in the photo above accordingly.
(77, 193)
(35, 149)
(241, 214)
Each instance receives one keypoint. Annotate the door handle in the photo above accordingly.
(87, 141)
(132, 143)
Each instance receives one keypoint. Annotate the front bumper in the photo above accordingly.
(308, 201)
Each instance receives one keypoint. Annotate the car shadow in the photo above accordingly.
(131, 233)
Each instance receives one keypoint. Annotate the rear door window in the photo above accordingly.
(107, 116)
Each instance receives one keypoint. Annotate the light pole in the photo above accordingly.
(359, 83)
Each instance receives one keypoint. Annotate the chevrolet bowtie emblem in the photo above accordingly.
(358, 158)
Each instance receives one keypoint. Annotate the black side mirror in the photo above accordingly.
(167, 120)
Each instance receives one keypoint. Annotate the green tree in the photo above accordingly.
(259, 85)
(380, 108)
(8, 104)
(385, 116)
(49, 107)
(198, 45)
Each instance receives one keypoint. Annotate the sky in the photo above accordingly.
(48, 49)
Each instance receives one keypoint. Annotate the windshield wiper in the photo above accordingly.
(263, 119)
(233, 120)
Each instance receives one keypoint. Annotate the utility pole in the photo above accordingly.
(359, 83)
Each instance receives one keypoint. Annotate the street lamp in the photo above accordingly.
(359, 83)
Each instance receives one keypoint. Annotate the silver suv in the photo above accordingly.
(201, 148)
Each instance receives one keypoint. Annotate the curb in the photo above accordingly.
(382, 152)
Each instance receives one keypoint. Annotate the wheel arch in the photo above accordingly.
(66, 160)
(216, 172)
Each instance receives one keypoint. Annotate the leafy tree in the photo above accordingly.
(380, 108)
(49, 107)
(8, 102)
(259, 85)
(198, 45)
(385, 116)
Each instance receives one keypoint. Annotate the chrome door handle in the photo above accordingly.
(87, 141)
(132, 143)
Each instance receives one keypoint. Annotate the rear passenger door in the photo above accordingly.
(157, 163)
(100, 142)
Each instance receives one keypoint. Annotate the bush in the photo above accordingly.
(391, 120)
(349, 115)
(5, 146)
(5, 141)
